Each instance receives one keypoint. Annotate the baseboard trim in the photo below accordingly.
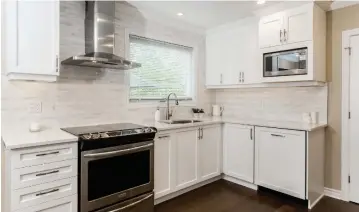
(311, 206)
(333, 193)
(185, 190)
(240, 182)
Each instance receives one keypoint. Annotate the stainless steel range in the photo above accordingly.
(115, 167)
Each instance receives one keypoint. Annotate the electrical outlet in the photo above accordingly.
(35, 107)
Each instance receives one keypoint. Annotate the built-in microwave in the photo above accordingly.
(285, 63)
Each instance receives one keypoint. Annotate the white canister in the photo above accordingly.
(306, 118)
(217, 110)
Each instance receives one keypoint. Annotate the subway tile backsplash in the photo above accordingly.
(281, 104)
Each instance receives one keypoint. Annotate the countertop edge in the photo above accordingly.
(40, 143)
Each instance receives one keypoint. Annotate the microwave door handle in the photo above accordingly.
(132, 204)
(117, 152)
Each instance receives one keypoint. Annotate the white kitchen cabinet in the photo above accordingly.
(232, 54)
(31, 40)
(186, 158)
(271, 30)
(66, 204)
(162, 163)
(290, 26)
(297, 25)
(281, 160)
(238, 151)
(209, 147)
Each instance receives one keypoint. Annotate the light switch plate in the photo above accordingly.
(35, 107)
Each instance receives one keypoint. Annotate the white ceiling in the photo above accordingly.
(204, 14)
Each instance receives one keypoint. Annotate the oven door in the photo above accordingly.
(285, 63)
(142, 203)
(110, 175)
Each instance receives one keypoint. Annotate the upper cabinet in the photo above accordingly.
(291, 26)
(232, 54)
(31, 40)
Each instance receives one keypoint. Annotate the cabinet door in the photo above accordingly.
(31, 37)
(298, 25)
(270, 29)
(162, 165)
(186, 158)
(209, 152)
(214, 50)
(280, 160)
(238, 155)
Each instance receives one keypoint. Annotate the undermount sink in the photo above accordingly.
(182, 121)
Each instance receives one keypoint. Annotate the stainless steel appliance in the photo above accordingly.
(115, 167)
(100, 39)
(285, 63)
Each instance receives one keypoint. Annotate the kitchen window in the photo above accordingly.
(166, 68)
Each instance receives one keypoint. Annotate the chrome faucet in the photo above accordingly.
(168, 113)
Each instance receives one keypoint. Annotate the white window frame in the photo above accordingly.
(155, 36)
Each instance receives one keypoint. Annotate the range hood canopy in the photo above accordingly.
(100, 39)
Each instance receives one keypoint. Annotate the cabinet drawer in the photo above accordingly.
(44, 154)
(67, 204)
(34, 175)
(38, 194)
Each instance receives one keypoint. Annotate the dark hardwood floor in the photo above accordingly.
(223, 196)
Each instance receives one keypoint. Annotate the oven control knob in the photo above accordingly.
(95, 136)
(87, 136)
(148, 130)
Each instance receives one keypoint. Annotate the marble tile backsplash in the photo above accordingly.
(280, 104)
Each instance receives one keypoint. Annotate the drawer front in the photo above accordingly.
(67, 204)
(44, 154)
(34, 195)
(34, 175)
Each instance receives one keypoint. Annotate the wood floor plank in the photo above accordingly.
(224, 196)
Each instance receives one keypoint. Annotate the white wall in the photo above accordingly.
(85, 96)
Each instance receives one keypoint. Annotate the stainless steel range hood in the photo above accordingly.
(100, 39)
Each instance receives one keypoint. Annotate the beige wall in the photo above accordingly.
(337, 21)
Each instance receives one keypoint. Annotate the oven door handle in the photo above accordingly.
(117, 152)
(132, 204)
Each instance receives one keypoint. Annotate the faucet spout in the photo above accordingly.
(168, 112)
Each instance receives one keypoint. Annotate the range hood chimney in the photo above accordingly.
(100, 39)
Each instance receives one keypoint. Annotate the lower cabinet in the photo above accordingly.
(238, 151)
(186, 157)
(162, 161)
(281, 160)
(209, 146)
(66, 204)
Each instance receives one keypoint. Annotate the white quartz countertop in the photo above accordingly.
(19, 137)
(260, 123)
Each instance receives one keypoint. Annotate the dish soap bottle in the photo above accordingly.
(158, 114)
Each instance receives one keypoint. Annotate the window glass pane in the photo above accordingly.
(166, 68)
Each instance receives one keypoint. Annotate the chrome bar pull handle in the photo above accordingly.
(280, 36)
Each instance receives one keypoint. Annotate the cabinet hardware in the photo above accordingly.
(239, 77)
(276, 135)
(166, 136)
(221, 80)
(251, 134)
(46, 173)
(199, 133)
(285, 35)
(47, 192)
(242, 76)
(280, 35)
(49, 153)
(57, 63)
(349, 49)
(349, 179)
